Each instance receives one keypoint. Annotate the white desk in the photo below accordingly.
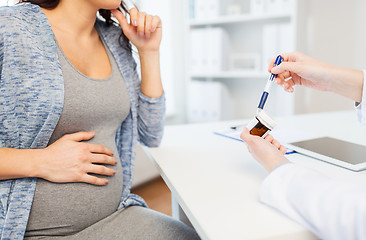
(216, 181)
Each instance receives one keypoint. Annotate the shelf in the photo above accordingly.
(230, 74)
(237, 19)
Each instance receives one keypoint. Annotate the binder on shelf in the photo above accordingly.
(191, 9)
(209, 50)
(217, 49)
(277, 39)
(278, 6)
(257, 7)
(273, 6)
(286, 41)
(208, 102)
(197, 50)
(213, 9)
(270, 44)
(199, 9)
(204, 9)
(287, 6)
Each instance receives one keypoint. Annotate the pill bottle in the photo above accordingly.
(261, 124)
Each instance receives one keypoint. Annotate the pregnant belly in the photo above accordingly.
(67, 208)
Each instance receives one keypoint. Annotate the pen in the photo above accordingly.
(237, 126)
(265, 93)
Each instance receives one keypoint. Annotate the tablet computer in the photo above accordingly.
(338, 152)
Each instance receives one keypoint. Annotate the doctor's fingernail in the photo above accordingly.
(134, 23)
(273, 70)
(152, 29)
(147, 36)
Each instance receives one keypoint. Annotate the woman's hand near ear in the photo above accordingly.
(144, 31)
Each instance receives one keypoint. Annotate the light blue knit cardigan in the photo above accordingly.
(31, 101)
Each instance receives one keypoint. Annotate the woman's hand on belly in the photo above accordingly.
(70, 160)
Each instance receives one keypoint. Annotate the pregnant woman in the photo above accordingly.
(72, 109)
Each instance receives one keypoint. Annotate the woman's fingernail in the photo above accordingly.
(147, 36)
(141, 34)
(152, 29)
(134, 23)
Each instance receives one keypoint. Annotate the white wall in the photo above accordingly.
(360, 38)
(331, 30)
(170, 51)
(7, 2)
(172, 72)
(335, 33)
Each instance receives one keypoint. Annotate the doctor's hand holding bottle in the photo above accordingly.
(330, 208)
(300, 69)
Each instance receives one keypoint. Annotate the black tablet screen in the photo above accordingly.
(341, 150)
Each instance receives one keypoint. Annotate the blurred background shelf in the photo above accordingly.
(238, 19)
(230, 74)
(228, 45)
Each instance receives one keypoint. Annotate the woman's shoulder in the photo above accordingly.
(7, 15)
(24, 13)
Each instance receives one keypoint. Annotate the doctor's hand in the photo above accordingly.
(144, 31)
(268, 151)
(299, 69)
(302, 70)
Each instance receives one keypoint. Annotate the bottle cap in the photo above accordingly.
(265, 119)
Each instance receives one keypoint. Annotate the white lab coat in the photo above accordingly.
(330, 208)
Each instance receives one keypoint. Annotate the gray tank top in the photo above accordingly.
(99, 105)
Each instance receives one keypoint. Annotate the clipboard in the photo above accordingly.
(282, 134)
